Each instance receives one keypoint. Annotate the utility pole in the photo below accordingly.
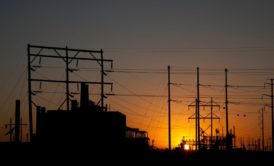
(30, 96)
(263, 109)
(211, 118)
(102, 80)
(169, 100)
(272, 114)
(226, 110)
(198, 117)
(198, 108)
(67, 79)
(196, 123)
(272, 106)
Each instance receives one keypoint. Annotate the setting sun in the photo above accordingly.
(167, 81)
(186, 147)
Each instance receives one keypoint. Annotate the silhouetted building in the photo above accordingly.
(87, 124)
(136, 138)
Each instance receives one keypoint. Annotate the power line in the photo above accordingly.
(136, 95)
(186, 71)
(192, 49)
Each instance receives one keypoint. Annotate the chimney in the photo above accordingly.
(17, 121)
(84, 98)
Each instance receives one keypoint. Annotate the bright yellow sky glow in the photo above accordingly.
(186, 147)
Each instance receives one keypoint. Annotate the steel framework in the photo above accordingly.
(67, 55)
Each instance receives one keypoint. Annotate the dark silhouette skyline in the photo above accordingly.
(143, 38)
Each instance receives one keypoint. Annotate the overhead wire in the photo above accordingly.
(191, 72)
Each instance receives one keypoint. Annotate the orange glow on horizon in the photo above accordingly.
(186, 147)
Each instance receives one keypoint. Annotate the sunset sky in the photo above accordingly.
(143, 37)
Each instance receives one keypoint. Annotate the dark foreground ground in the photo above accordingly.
(86, 155)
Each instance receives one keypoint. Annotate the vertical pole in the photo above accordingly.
(198, 107)
(272, 114)
(67, 79)
(211, 118)
(17, 121)
(196, 124)
(29, 95)
(169, 132)
(102, 81)
(226, 109)
(263, 128)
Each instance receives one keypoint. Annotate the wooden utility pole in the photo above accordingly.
(196, 124)
(67, 79)
(262, 113)
(102, 80)
(272, 114)
(211, 118)
(30, 95)
(226, 111)
(198, 108)
(169, 100)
